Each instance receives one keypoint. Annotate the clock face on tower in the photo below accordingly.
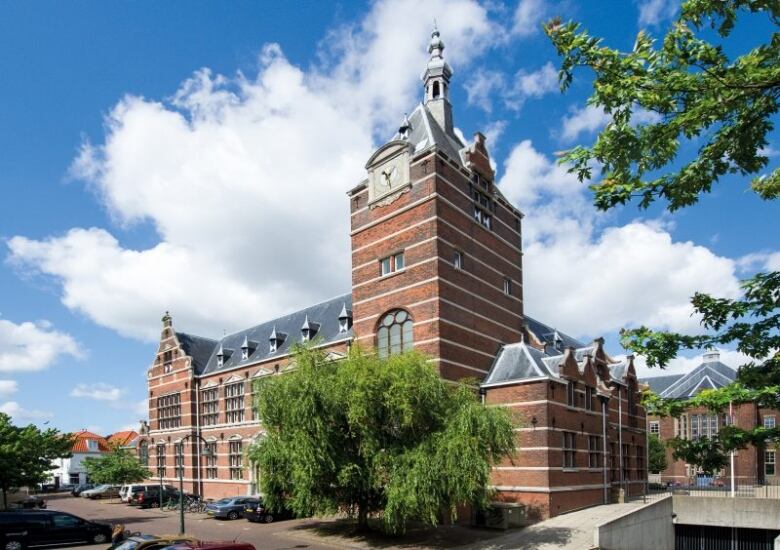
(389, 174)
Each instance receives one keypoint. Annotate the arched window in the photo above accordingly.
(394, 334)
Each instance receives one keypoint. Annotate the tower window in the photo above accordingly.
(395, 333)
(391, 264)
(436, 90)
(508, 286)
(457, 260)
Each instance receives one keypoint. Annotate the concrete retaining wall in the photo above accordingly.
(647, 528)
(752, 513)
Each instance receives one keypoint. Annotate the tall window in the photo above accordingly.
(569, 449)
(161, 460)
(640, 461)
(770, 463)
(236, 469)
(210, 406)
(457, 260)
(655, 427)
(394, 334)
(769, 422)
(392, 263)
(508, 286)
(695, 426)
(589, 398)
(234, 402)
(178, 459)
(571, 394)
(594, 451)
(211, 460)
(169, 411)
(143, 453)
(614, 461)
(168, 361)
(626, 461)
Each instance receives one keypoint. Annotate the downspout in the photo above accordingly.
(604, 447)
(620, 439)
(197, 432)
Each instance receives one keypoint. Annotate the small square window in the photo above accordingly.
(385, 263)
(457, 260)
(508, 287)
(769, 422)
(398, 261)
(655, 427)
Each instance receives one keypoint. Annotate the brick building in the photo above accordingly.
(436, 266)
(751, 465)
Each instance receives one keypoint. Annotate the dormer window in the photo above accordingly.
(308, 330)
(275, 340)
(223, 354)
(345, 319)
(247, 348)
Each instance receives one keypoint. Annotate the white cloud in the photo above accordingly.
(528, 17)
(684, 364)
(537, 83)
(244, 179)
(769, 261)
(33, 346)
(8, 387)
(481, 87)
(589, 119)
(20, 414)
(485, 85)
(654, 12)
(594, 278)
(98, 391)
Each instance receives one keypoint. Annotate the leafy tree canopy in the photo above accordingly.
(656, 454)
(719, 108)
(118, 467)
(26, 454)
(705, 452)
(368, 435)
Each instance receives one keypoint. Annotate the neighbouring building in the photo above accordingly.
(436, 266)
(71, 470)
(751, 465)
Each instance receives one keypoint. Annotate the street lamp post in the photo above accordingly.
(207, 453)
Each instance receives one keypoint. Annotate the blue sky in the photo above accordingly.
(193, 156)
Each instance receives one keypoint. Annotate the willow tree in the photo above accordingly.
(367, 435)
(712, 114)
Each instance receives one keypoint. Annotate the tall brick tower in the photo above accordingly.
(436, 248)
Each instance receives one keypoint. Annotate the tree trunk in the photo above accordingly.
(363, 515)
(5, 498)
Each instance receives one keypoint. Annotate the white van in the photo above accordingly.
(127, 490)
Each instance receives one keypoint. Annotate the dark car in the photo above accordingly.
(149, 496)
(77, 490)
(29, 503)
(258, 512)
(153, 542)
(30, 528)
(230, 507)
(212, 545)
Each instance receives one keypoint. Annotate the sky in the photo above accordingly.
(194, 157)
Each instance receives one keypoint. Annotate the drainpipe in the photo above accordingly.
(198, 439)
(620, 439)
(604, 447)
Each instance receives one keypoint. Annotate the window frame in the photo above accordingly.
(234, 402)
(772, 463)
(389, 340)
(594, 451)
(169, 411)
(571, 394)
(209, 405)
(569, 449)
(457, 259)
(766, 424)
(654, 424)
(235, 459)
(394, 263)
(211, 460)
(507, 286)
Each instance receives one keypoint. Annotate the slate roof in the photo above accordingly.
(544, 333)
(205, 350)
(426, 134)
(710, 374)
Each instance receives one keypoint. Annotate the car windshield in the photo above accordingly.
(132, 543)
(102, 487)
(224, 501)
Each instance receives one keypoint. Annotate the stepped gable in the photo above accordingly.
(325, 316)
(710, 374)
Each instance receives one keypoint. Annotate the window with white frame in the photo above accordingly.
(395, 333)
(178, 459)
(769, 422)
(211, 460)
(569, 449)
(457, 260)
(234, 402)
(209, 406)
(594, 451)
(235, 459)
(169, 411)
(391, 264)
(508, 286)
(655, 427)
(161, 460)
(770, 463)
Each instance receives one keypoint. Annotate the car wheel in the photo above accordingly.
(268, 518)
(232, 515)
(14, 545)
(100, 538)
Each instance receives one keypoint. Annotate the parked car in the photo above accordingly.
(149, 496)
(29, 503)
(258, 512)
(78, 489)
(153, 542)
(212, 545)
(29, 528)
(102, 491)
(230, 507)
(126, 491)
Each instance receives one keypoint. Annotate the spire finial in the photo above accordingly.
(436, 46)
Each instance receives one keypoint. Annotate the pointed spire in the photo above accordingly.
(245, 343)
(345, 313)
(436, 79)
(436, 45)
(273, 334)
(405, 128)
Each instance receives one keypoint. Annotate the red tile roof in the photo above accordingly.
(80, 442)
(122, 438)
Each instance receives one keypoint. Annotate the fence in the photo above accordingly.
(721, 487)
